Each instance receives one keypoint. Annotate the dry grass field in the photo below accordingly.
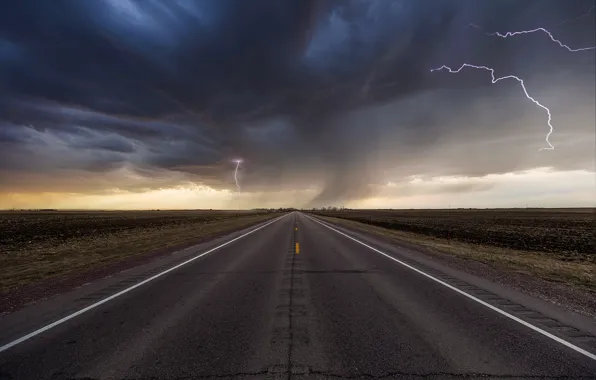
(553, 244)
(36, 246)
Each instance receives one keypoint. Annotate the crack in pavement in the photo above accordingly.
(442, 375)
(388, 375)
(194, 377)
(290, 330)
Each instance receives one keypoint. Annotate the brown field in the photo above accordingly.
(37, 246)
(565, 232)
(552, 244)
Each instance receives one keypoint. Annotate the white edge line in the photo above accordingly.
(116, 295)
(513, 317)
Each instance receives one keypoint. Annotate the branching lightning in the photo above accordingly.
(238, 162)
(549, 34)
(494, 80)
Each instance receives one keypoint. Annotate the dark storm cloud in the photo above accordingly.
(338, 93)
(113, 143)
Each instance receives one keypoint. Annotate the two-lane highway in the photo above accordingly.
(292, 299)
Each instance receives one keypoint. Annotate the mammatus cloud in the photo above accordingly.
(328, 100)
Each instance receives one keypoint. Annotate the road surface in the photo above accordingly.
(292, 299)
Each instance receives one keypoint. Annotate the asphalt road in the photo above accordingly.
(293, 299)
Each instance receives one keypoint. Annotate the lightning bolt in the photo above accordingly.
(238, 162)
(579, 17)
(549, 34)
(494, 80)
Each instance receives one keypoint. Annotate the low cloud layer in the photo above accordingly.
(332, 99)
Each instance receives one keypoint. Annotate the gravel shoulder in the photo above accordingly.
(569, 284)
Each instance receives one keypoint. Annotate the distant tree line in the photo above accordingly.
(330, 208)
(34, 209)
(281, 209)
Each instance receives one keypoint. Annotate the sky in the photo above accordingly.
(145, 104)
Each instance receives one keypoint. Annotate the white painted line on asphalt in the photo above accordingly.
(502, 312)
(116, 295)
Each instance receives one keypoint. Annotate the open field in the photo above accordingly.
(553, 244)
(37, 246)
(565, 232)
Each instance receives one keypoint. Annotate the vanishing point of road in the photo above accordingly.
(295, 297)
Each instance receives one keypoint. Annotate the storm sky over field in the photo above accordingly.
(145, 104)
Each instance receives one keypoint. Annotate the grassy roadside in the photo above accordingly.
(579, 272)
(32, 261)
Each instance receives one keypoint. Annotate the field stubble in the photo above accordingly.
(36, 246)
(553, 244)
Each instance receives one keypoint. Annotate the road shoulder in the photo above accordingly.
(21, 297)
(519, 288)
